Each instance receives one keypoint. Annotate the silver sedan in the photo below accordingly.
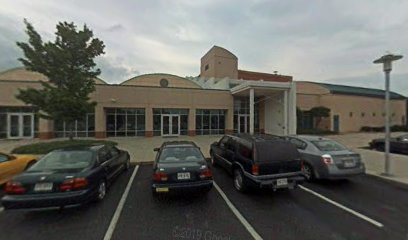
(325, 158)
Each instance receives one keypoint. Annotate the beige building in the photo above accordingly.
(222, 99)
(351, 108)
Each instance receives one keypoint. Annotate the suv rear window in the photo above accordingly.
(275, 150)
(177, 154)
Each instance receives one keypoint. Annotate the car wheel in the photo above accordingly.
(101, 193)
(380, 147)
(213, 163)
(308, 172)
(30, 164)
(239, 181)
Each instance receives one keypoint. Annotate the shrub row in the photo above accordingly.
(46, 147)
(395, 128)
(314, 131)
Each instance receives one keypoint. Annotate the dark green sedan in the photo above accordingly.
(66, 177)
(179, 167)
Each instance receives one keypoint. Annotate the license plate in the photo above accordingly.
(183, 176)
(349, 164)
(282, 182)
(162, 189)
(41, 187)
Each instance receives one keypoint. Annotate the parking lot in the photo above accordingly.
(361, 208)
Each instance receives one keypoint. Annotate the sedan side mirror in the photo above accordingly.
(12, 157)
(156, 149)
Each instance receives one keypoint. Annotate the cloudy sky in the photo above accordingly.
(327, 41)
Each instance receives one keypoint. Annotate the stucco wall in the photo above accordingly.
(274, 114)
(118, 96)
(366, 111)
(153, 80)
(21, 74)
(221, 63)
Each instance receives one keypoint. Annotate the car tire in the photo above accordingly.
(380, 147)
(101, 191)
(308, 172)
(31, 163)
(213, 161)
(240, 181)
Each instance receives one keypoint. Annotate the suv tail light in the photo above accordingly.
(160, 177)
(14, 188)
(206, 173)
(255, 169)
(327, 159)
(73, 184)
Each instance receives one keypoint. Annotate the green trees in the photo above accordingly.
(68, 62)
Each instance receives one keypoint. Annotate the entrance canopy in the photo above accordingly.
(277, 104)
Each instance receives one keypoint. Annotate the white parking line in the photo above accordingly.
(115, 218)
(375, 223)
(241, 218)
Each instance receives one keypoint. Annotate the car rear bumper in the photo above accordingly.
(336, 173)
(47, 200)
(271, 181)
(186, 186)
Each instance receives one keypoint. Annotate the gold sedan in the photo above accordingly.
(11, 165)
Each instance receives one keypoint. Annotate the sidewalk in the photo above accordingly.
(375, 160)
(141, 150)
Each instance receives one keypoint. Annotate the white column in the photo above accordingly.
(251, 111)
(285, 112)
(292, 121)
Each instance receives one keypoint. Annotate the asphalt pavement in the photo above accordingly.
(326, 210)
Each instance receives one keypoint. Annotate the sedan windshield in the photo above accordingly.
(328, 145)
(176, 154)
(64, 160)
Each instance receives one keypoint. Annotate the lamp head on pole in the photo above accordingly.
(387, 60)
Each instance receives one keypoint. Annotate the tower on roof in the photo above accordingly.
(218, 62)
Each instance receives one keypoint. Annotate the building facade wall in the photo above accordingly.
(153, 80)
(354, 112)
(357, 111)
(219, 63)
(148, 98)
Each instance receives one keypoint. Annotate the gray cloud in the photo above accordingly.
(311, 40)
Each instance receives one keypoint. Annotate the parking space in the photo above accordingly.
(288, 214)
(86, 222)
(175, 217)
(296, 214)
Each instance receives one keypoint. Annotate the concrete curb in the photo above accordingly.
(403, 183)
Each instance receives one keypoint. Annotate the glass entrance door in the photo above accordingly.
(170, 125)
(243, 123)
(20, 125)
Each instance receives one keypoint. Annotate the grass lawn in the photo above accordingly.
(46, 147)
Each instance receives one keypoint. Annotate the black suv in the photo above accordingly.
(263, 161)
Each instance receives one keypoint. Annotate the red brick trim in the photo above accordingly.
(148, 133)
(229, 131)
(191, 133)
(46, 135)
(100, 134)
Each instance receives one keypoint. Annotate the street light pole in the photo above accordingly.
(387, 170)
(387, 60)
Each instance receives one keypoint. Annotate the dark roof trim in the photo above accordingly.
(357, 91)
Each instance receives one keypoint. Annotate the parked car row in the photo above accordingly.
(78, 175)
(398, 144)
